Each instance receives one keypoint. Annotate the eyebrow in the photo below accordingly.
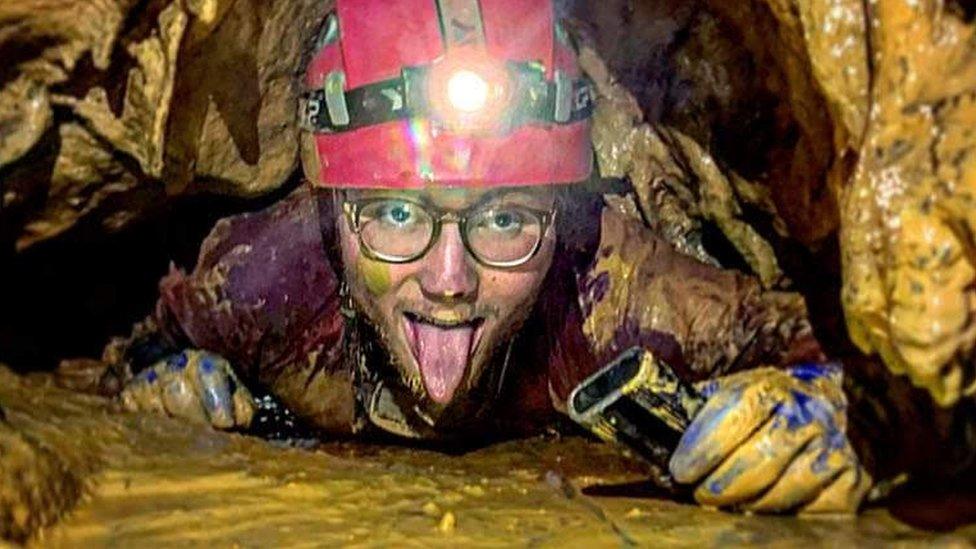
(503, 194)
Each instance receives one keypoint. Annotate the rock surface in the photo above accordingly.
(858, 128)
(36, 486)
(163, 483)
(108, 108)
(909, 213)
(884, 99)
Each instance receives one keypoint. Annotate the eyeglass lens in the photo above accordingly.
(402, 230)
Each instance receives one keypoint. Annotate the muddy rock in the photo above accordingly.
(109, 108)
(909, 213)
(44, 472)
(813, 54)
(168, 483)
(881, 102)
(859, 131)
(36, 487)
(677, 182)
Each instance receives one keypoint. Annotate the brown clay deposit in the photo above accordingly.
(163, 483)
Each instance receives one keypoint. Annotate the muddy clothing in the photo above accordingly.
(265, 296)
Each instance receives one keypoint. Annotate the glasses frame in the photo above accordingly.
(353, 209)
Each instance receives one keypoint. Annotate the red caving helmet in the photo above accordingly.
(406, 94)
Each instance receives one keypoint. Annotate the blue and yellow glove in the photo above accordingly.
(192, 385)
(771, 440)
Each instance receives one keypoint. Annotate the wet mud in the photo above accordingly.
(908, 217)
(152, 481)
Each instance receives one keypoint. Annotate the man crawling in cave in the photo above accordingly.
(453, 271)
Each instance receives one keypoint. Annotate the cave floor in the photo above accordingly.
(161, 483)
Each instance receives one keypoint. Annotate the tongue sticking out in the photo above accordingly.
(442, 354)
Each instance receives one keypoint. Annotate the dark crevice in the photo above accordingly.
(963, 9)
(15, 52)
(28, 179)
(86, 77)
(141, 22)
(67, 296)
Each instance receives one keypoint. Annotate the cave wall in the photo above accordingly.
(127, 128)
(908, 214)
(109, 109)
(854, 121)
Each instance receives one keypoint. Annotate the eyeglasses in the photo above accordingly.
(401, 230)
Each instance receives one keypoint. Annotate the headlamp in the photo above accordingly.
(470, 93)
(465, 92)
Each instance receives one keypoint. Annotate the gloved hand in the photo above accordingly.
(193, 385)
(771, 440)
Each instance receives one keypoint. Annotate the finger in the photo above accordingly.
(728, 418)
(814, 371)
(244, 405)
(843, 495)
(179, 394)
(803, 480)
(708, 387)
(244, 408)
(143, 393)
(757, 464)
(180, 398)
(214, 390)
(178, 362)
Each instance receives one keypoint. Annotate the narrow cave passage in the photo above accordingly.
(783, 184)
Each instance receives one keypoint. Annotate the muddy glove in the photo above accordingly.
(193, 385)
(771, 440)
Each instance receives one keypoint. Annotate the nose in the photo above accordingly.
(448, 274)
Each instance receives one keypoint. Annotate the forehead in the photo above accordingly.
(461, 198)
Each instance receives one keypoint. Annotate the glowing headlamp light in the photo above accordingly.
(467, 91)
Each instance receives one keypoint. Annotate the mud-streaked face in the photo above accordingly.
(443, 315)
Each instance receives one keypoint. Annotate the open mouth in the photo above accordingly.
(442, 350)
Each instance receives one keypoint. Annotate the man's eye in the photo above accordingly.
(397, 213)
(504, 221)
